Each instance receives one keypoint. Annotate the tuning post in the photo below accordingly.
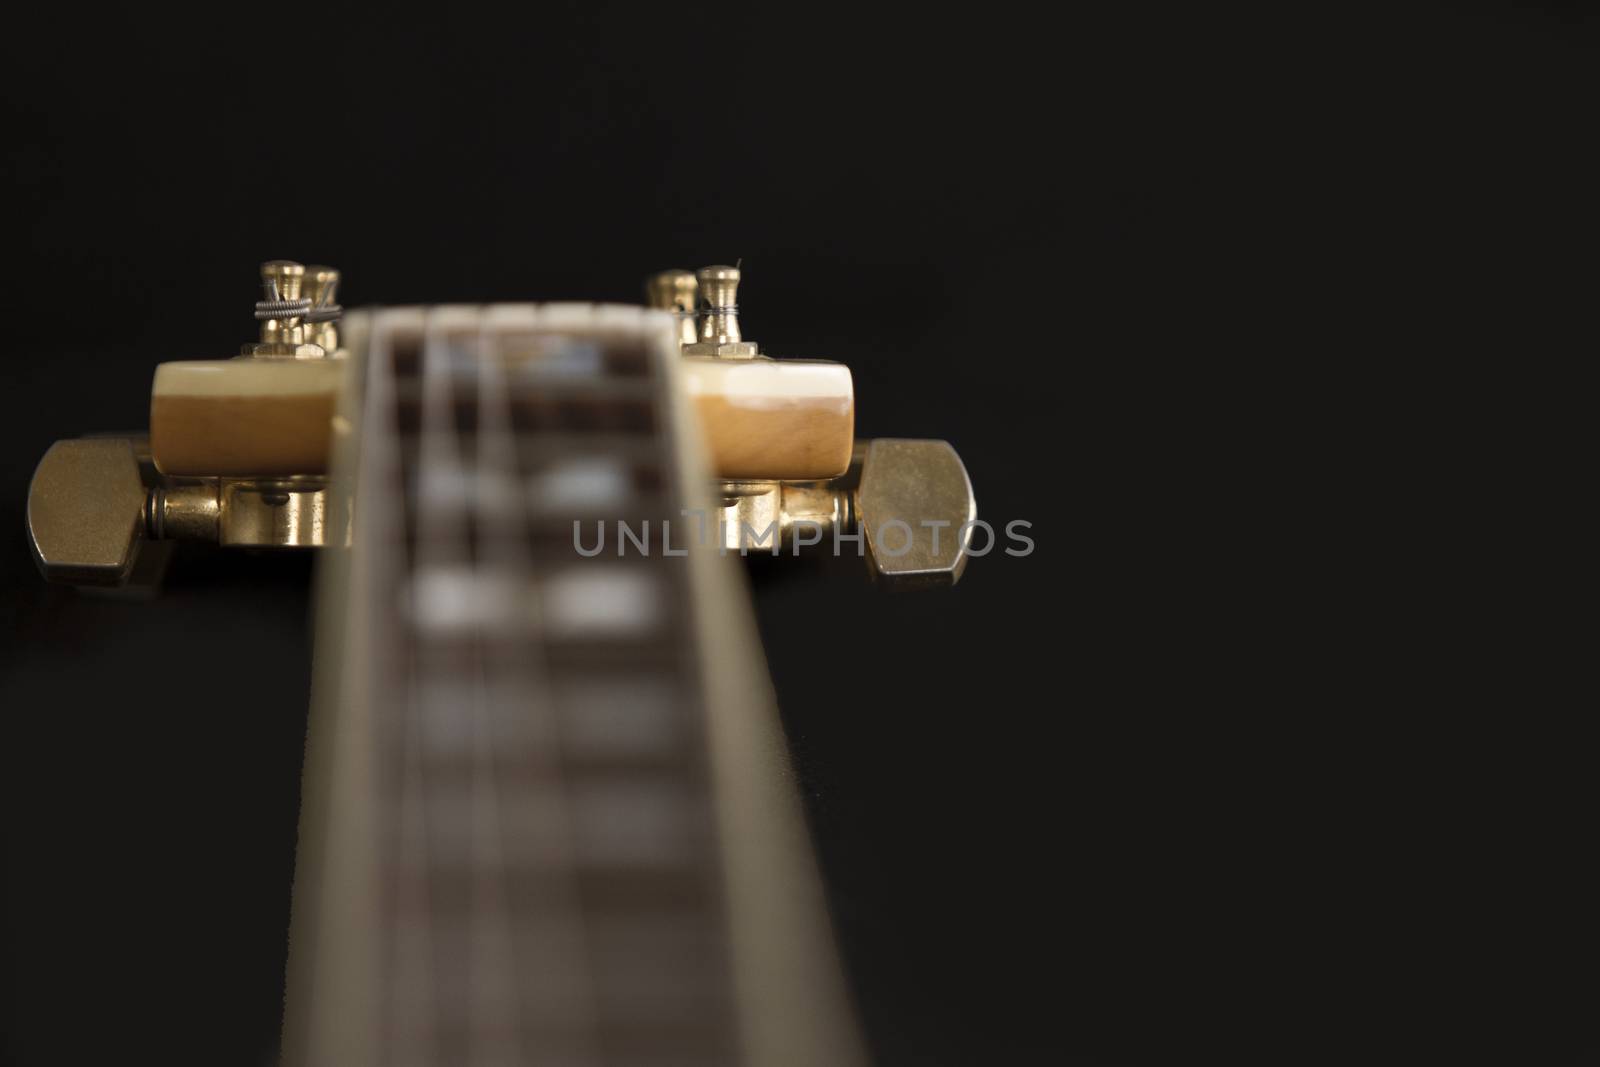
(96, 502)
(676, 291)
(718, 327)
(321, 288)
(283, 312)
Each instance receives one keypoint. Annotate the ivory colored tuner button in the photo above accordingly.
(236, 417)
(766, 419)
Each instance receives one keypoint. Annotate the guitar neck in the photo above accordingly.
(545, 817)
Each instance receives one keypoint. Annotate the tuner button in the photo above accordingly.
(86, 511)
(911, 493)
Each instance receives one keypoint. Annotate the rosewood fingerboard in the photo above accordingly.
(512, 850)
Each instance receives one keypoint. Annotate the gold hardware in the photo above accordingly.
(242, 512)
(283, 311)
(274, 513)
(322, 289)
(923, 487)
(95, 501)
(86, 511)
(675, 291)
(188, 511)
(718, 330)
(907, 500)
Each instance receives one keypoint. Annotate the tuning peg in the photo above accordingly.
(908, 501)
(96, 502)
(913, 504)
(86, 511)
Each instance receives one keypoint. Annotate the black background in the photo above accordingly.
(1201, 778)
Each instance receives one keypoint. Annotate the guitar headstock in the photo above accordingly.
(238, 450)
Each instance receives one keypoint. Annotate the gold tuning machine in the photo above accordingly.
(790, 474)
(96, 503)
